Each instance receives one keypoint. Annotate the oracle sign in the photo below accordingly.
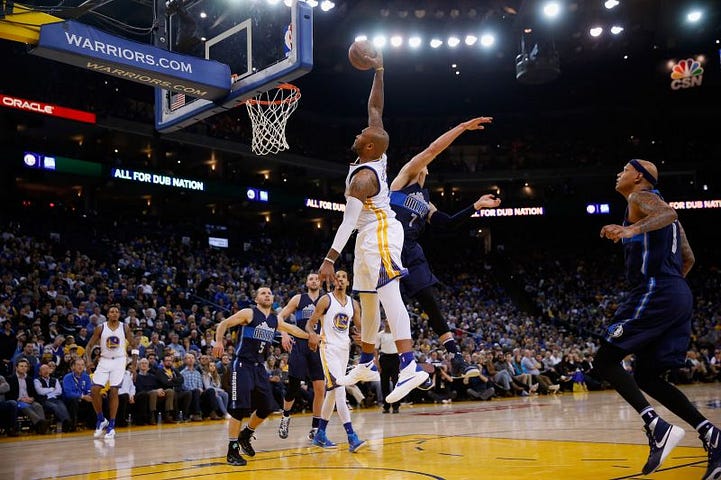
(47, 109)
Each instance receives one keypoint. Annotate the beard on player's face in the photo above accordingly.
(355, 148)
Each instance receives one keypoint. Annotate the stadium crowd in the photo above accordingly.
(535, 335)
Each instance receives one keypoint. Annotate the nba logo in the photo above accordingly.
(288, 40)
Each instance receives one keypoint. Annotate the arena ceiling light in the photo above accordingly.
(326, 5)
(396, 41)
(551, 9)
(471, 40)
(596, 31)
(694, 16)
(436, 42)
(361, 38)
(610, 4)
(453, 41)
(616, 29)
(414, 42)
(487, 40)
(379, 41)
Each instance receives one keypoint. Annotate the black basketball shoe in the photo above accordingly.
(234, 457)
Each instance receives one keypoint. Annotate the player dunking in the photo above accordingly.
(251, 390)
(114, 338)
(654, 320)
(335, 311)
(377, 266)
(411, 203)
(303, 363)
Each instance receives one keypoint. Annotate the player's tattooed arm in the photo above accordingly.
(650, 210)
(655, 213)
(364, 184)
(687, 255)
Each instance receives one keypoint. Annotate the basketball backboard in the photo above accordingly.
(265, 44)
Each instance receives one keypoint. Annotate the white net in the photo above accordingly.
(269, 112)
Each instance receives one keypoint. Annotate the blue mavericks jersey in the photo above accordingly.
(411, 204)
(653, 254)
(255, 337)
(306, 307)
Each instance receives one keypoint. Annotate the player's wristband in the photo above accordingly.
(329, 260)
(379, 69)
(135, 351)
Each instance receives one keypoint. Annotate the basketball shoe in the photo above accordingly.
(662, 438)
(99, 427)
(284, 426)
(311, 433)
(409, 378)
(712, 444)
(355, 443)
(363, 372)
(461, 369)
(244, 441)
(234, 457)
(321, 440)
(110, 434)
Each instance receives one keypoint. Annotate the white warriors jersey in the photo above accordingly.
(336, 322)
(112, 342)
(376, 209)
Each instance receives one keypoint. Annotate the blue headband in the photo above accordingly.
(646, 174)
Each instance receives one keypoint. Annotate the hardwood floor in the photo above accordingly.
(570, 436)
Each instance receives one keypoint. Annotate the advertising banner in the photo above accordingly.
(83, 46)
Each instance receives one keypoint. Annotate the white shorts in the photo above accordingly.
(110, 370)
(335, 363)
(378, 256)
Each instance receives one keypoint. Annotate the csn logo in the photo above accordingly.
(686, 74)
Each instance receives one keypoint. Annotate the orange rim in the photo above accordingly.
(292, 98)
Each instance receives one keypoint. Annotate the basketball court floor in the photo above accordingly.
(569, 436)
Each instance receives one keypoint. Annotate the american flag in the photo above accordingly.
(177, 100)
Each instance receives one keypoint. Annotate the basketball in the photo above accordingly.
(357, 52)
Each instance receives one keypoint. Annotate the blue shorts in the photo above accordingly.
(654, 322)
(250, 387)
(419, 272)
(304, 363)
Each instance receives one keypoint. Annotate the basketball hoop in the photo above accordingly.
(269, 111)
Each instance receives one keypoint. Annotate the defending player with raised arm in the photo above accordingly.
(654, 319)
(377, 265)
(303, 362)
(251, 390)
(411, 203)
(334, 313)
(115, 338)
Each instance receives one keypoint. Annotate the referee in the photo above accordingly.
(389, 365)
